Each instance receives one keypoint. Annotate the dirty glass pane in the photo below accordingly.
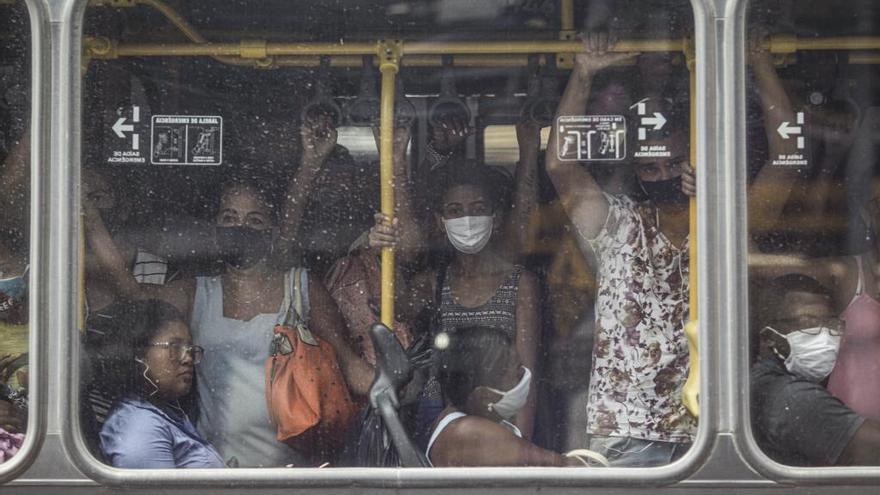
(812, 163)
(15, 108)
(231, 190)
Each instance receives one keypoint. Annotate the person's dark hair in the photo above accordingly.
(261, 186)
(127, 327)
(772, 296)
(474, 357)
(462, 174)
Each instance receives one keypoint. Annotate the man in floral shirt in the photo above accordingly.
(635, 415)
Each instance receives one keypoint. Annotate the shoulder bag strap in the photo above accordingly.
(301, 305)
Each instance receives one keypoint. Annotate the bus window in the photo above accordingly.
(239, 219)
(501, 145)
(15, 110)
(812, 163)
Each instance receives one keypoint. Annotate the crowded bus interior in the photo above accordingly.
(441, 233)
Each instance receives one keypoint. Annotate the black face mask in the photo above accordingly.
(665, 191)
(243, 247)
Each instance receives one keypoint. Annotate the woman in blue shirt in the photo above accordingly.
(149, 358)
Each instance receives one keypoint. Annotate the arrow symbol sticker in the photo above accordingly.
(787, 130)
(120, 127)
(658, 121)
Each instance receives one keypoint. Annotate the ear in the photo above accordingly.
(440, 225)
(478, 403)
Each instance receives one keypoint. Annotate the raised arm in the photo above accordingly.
(105, 261)
(773, 184)
(404, 232)
(318, 139)
(580, 194)
(525, 195)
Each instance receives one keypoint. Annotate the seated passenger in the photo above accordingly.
(151, 361)
(232, 315)
(797, 421)
(484, 387)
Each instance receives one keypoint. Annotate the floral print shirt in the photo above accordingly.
(640, 354)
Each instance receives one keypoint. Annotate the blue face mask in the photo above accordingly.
(13, 295)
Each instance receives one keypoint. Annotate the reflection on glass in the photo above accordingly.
(14, 223)
(541, 281)
(813, 227)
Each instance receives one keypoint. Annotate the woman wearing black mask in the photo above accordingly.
(640, 360)
(232, 315)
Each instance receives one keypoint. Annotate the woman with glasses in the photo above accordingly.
(149, 360)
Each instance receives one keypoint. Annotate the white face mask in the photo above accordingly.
(813, 352)
(469, 234)
(514, 399)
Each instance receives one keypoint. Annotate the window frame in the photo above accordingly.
(38, 275)
(68, 84)
(735, 132)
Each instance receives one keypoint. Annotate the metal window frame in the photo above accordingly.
(66, 101)
(736, 154)
(39, 281)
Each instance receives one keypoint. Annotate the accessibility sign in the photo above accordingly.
(591, 137)
(186, 140)
(126, 136)
(787, 130)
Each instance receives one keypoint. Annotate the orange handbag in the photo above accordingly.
(306, 394)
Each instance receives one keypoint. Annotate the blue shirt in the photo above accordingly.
(139, 435)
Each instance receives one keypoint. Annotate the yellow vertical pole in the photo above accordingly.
(389, 58)
(691, 390)
(566, 15)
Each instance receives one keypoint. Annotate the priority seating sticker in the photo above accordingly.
(186, 140)
(591, 137)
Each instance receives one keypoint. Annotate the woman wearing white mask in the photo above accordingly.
(478, 286)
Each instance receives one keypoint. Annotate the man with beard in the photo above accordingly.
(635, 413)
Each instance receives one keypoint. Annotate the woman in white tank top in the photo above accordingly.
(232, 316)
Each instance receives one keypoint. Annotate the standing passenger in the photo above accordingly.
(640, 358)
(232, 316)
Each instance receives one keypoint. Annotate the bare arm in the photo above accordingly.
(327, 323)
(525, 196)
(528, 343)
(476, 441)
(15, 186)
(318, 139)
(107, 262)
(579, 193)
(864, 448)
(773, 184)
(404, 233)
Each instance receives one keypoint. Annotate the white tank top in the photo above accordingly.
(231, 386)
(449, 418)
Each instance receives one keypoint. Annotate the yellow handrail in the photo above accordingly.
(389, 56)
(691, 390)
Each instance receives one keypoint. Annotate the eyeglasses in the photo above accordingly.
(811, 325)
(179, 350)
